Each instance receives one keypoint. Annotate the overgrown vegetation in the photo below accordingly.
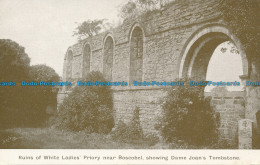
(132, 132)
(188, 116)
(242, 16)
(39, 97)
(23, 105)
(88, 108)
(90, 28)
(138, 7)
(129, 132)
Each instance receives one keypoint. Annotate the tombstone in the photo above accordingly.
(245, 134)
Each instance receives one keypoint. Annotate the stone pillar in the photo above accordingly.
(245, 134)
(243, 79)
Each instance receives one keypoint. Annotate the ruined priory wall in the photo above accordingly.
(231, 107)
(166, 33)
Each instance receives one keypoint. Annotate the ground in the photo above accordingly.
(51, 138)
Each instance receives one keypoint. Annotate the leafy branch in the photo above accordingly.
(242, 16)
(90, 28)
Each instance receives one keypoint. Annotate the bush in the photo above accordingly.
(151, 138)
(39, 97)
(188, 116)
(88, 108)
(129, 132)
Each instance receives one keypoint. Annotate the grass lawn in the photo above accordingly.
(51, 138)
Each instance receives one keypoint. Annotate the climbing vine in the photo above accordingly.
(243, 17)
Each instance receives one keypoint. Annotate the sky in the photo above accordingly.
(45, 29)
(226, 67)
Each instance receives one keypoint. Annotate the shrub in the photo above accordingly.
(39, 97)
(88, 108)
(188, 116)
(129, 132)
(121, 132)
(151, 138)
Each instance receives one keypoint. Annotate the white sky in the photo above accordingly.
(226, 67)
(45, 28)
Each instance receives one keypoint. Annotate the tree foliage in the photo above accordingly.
(22, 105)
(14, 67)
(39, 97)
(242, 16)
(137, 7)
(128, 10)
(188, 116)
(90, 28)
(14, 62)
(88, 108)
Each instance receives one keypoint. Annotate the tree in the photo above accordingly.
(138, 7)
(147, 4)
(23, 105)
(128, 10)
(14, 62)
(42, 72)
(89, 28)
(14, 67)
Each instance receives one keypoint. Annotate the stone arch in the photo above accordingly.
(69, 60)
(136, 54)
(86, 59)
(108, 54)
(136, 25)
(199, 48)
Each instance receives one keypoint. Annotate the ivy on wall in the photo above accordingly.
(243, 17)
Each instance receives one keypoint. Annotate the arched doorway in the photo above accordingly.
(199, 48)
(69, 65)
(195, 59)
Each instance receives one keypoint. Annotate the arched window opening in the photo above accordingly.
(69, 65)
(136, 56)
(86, 60)
(108, 58)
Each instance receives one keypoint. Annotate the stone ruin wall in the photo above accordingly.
(231, 107)
(165, 34)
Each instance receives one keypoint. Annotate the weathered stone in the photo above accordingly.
(175, 42)
(245, 134)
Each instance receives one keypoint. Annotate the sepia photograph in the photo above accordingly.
(137, 76)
